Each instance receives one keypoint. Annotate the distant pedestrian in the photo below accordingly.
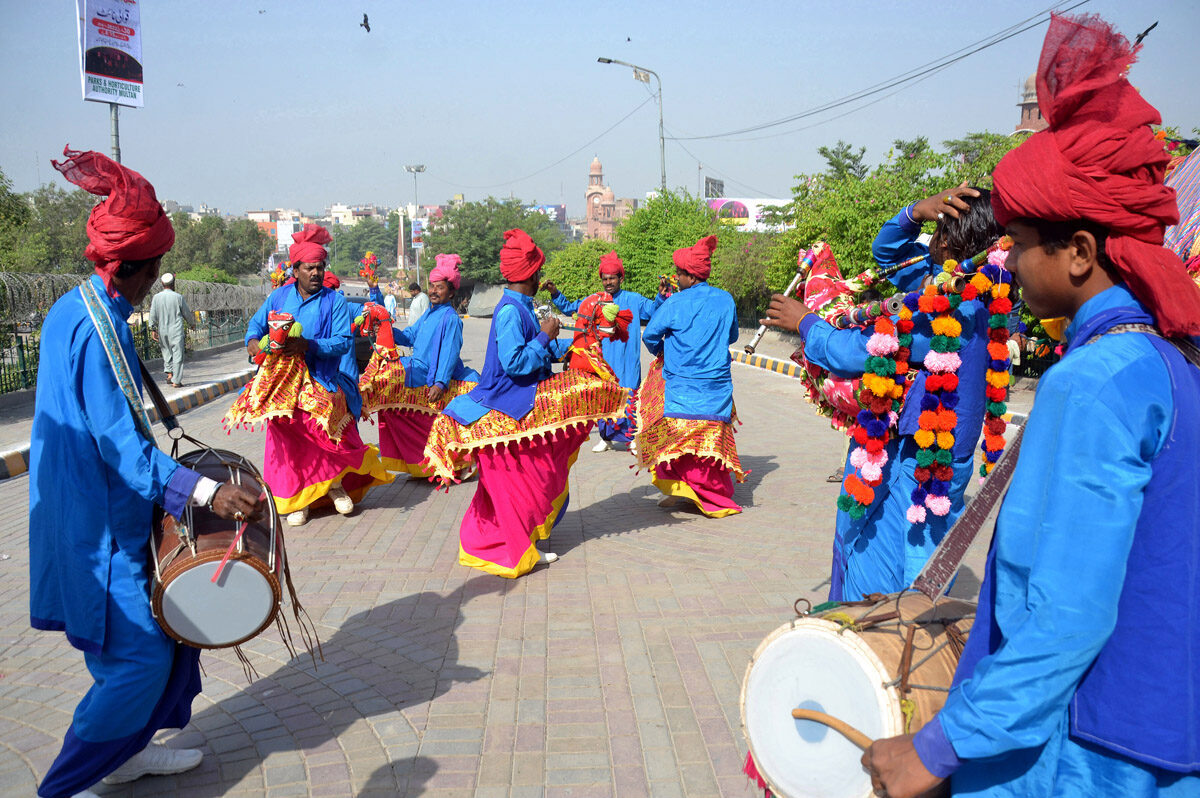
(419, 304)
(170, 319)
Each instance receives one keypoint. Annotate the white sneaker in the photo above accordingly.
(298, 518)
(156, 760)
(86, 794)
(602, 446)
(546, 557)
(341, 500)
(633, 446)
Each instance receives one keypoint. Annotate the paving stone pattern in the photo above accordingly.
(616, 671)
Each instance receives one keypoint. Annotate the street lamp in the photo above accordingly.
(416, 168)
(643, 74)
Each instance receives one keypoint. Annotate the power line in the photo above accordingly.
(913, 75)
(723, 176)
(569, 155)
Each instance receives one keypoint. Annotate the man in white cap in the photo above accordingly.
(170, 317)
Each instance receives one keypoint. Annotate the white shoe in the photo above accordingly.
(155, 760)
(86, 794)
(298, 518)
(546, 557)
(633, 446)
(602, 446)
(341, 500)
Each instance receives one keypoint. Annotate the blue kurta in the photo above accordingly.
(1054, 576)
(625, 357)
(693, 331)
(526, 357)
(93, 483)
(330, 356)
(882, 552)
(436, 340)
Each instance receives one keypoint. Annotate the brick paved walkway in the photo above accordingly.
(614, 672)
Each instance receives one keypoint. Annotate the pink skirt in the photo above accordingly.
(402, 437)
(522, 493)
(301, 463)
(704, 482)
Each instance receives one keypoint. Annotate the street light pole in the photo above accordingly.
(641, 73)
(416, 169)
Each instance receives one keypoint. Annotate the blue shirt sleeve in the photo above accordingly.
(1063, 535)
(257, 327)
(563, 305)
(657, 329)
(897, 240)
(518, 356)
(406, 336)
(375, 295)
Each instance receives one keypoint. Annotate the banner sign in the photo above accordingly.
(110, 50)
(418, 233)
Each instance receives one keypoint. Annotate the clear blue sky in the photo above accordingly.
(298, 106)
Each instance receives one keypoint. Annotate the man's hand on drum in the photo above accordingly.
(896, 770)
(550, 326)
(785, 313)
(237, 502)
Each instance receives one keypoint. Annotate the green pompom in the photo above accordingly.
(955, 301)
(944, 456)
(997, 320)
(925, 458)
(997, 408)
(294, 331)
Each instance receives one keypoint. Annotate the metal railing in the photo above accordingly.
(222, 312)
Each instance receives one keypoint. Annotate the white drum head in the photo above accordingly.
(221, 614)
(809, 664)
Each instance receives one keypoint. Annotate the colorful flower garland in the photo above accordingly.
(992, 283)
(883, 385)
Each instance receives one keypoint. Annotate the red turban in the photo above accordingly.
(310, 244)
(130, 223)
(696, 260)
(520, 258)
(611, 264)
(330, 280)
(1099, 160)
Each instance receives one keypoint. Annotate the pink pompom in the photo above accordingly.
(880, 345)
(997, 257)
(915, 514)
(938, 505)
(858, 457)
(878, 458)
(871, 473)
(942, 362)
(893, 418)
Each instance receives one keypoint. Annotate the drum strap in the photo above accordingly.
(116, 357)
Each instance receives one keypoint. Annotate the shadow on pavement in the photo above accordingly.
(758, 467)
(379, 662)
(404, 777)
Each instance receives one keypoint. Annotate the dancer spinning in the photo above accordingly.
(306, 392)
(409, 392)
(521, 424)
(685, 409)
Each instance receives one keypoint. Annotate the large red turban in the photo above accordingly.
(696, 260)
(611, 264)
(1099, 160)
(520, 258)
(330, 280)
(129, 224)
(310, 244)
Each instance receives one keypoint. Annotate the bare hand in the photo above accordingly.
(551, 287)
(154, 335)
(785, 313)
(232, 501)
(372, 281)
(550, 326)
(296, 346)
(897, 771)
(253, 349)
(948, 203)
(435, 392)
(664, 287)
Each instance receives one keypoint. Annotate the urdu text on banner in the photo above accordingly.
(110, 51)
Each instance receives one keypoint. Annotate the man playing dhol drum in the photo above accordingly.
(1080, 676)
(94, 478)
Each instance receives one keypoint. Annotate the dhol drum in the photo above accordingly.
(882, 666)
(187, 603)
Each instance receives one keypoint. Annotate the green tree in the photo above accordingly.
(475, 232)
(206, 274)
(236, 247)
(740, 266)
(844, 162)
(647, 238)
(351, 243)
(575, 267)
(55, 233)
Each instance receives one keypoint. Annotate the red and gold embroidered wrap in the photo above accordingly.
(282, 386)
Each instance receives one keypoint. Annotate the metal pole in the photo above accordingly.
(115, 130)
(662, 146)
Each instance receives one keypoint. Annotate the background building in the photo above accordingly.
(602, 210)
(1031, 115)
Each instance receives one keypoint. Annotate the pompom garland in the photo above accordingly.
(992, 285)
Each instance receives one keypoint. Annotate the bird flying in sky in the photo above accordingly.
(365, 24)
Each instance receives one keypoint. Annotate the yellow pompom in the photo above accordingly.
(294, 331)
(924, 438)
(997, 379)
(945, 440)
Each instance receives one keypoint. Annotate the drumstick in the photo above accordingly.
(236, 538)
(849, 732)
